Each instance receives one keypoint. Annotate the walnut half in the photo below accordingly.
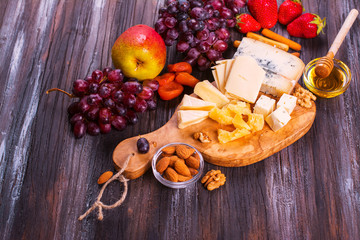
(304, 97)
(202, 137)
(213, 179)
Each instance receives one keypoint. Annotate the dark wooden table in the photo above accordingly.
(310, 190)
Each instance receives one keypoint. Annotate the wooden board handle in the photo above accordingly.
(343, 31)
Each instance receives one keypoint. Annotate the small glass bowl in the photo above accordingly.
(171, 184)
(342, 68)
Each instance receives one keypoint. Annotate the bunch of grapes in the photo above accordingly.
(107, 101)
(200, 26)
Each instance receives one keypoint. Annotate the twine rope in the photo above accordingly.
(100, 205)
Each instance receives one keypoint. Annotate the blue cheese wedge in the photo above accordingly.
(276, 84)
(272, 58)
(278, 119)
(245, 79)
(288, 102)
(264, 105)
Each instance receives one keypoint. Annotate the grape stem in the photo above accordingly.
(103, 79)
(60, 90)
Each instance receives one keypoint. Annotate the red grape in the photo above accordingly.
(94, 99)
(80, 85)
(160, 26)
(97, 75)
(217, 4)
(104, 90)
(120, 109)
(73, 108)
(172, 34)
(184, 6)
(79, 129)
(146, 93)
(106, 71)
(183, 27)
(182, 46)
(213, 55)
(93, 114)
(143, 145)
(132, 87)
(220, 46)
(226, 13)
(193, 53)
(131, 117)
(203, 34)
(140, 105)
(151, 104)
(119, 123)
(117, 96)
(203, 47)
(108, 102)
(93, 87)
(153, 84)
(104, 115)
(170, 22)
(93, 129)
(83, 104)
(77, 117)
(223, 34)
(105, 128)
(116, 76)
(129, 100)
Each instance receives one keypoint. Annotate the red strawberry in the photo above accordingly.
(289, 10)
(307, 25)
(264, 11)
(246, 23)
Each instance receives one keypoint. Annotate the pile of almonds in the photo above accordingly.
(178, 163)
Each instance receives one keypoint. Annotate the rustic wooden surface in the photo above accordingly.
(310, 190)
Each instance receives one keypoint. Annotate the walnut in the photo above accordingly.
(202, 137)
(213, 179)
(304, 97)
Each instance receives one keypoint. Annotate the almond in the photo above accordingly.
(173, 159)
(193, 171)
(171, 175)
(182, 169)
(105, 177)
(184, 151)
(192, 162)
(169, 150)
(195, 155)
(162, 164)
(182, 178)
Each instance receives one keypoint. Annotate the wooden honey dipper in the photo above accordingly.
(325, 64)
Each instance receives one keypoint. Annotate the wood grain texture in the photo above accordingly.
(309, 190)
(247, 150)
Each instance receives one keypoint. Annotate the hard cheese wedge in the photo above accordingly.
(209, 93)
(245, 79)
(220, 75)
(190, 117)
(192, 103)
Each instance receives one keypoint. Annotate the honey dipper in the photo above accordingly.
(325, 64)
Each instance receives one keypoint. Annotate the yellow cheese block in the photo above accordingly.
(222, 116)
(193, 103)
(208, 92)
(226, 136)
(239, 122)
(256, 122)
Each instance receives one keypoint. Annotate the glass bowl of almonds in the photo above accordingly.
(177, 165)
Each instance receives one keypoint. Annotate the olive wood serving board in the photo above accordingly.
(242, 152)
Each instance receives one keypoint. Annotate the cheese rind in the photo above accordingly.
(264, 105)
(193, 103)
(245, 79)
(208, 92)
(271, 58)
(288, 102)
(190, 117)
(278, 119)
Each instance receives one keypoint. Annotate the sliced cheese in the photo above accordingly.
(245, 79)
(208, 92)
(193, 103)
(229, 63)
(271, 58)
(214, 73)
(288, 102)
(190, 117)
(220, 71)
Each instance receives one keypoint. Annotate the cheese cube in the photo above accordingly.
(288, 102)
(190, 117)
(239, 108)
(192, 103)
(264, 105)
(245, 79)
(209, 93)
(278, 119)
